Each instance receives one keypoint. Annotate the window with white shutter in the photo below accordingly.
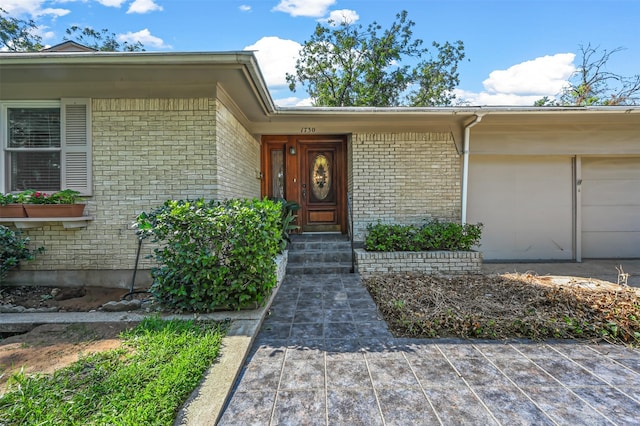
(76, 151)
(46, 146)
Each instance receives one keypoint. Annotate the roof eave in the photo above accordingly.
(236, 59)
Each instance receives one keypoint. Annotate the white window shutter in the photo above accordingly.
(76, 145)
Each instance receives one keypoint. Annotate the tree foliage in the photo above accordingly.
(100, 40)
(593, 84)
(343, 64)
(17, 35)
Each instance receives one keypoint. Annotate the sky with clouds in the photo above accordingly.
(518, 50)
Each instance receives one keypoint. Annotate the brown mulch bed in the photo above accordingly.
(507, 307)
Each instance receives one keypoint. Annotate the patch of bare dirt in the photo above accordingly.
(53, 346)
(507, 306)
(67, 299)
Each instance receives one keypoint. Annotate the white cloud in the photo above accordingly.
(309, 8)
(505, 99)
(245, 8)
(546, 74)
(340, 16)
(47, 35)
(293, 101)
(276, 57)
(30, 8)
(53, 12)
(143, 6)
(524, 83)
(144, 37)
(19, 7)
(111, 3)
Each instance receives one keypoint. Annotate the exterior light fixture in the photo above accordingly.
(292, 150)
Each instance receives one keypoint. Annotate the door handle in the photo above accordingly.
(304, 193)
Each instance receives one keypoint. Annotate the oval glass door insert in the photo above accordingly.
(320, 177)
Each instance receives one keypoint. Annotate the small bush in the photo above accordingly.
(213, 254)
(287, 221)
(433, 235)
(13, 249)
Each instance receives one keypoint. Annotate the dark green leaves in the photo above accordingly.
(101, 40)
(433, 235)
(17, 35)
(213, 254)
(345, 65)
(13, 249)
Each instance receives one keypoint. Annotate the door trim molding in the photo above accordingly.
(293, 168)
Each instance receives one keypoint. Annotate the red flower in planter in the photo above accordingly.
(66, 196)
(38, 197)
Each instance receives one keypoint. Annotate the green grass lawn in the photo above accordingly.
(143, 383)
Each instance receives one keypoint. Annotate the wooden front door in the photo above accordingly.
(310, 170)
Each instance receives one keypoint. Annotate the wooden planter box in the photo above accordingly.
(54, 210)
(12, 210)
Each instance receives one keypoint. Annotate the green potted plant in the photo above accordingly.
(58, 204)
(11, 206)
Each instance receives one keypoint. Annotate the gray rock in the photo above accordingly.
(10, 309)
(121, 306)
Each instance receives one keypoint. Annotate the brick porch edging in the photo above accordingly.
(428, 262)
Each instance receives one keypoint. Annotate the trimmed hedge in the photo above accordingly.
(435, 235)
(213, 254)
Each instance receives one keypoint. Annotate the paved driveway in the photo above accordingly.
(602, 269)
(324, 356)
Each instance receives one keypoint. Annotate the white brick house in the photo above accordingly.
(546, 182)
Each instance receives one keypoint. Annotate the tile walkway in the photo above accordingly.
(325, 357)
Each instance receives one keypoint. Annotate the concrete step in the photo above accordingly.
(319, 254)
(307, 256)
(320, 237)
(319, 245)
(319, 268)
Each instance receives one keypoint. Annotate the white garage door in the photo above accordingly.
(610, 207)
(525, 204)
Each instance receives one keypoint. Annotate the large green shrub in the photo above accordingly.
(434, 235)
(13, 249)
(213, 254)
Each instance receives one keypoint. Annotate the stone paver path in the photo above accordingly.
(325, 357)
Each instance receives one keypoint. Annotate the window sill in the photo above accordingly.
(37, 222)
